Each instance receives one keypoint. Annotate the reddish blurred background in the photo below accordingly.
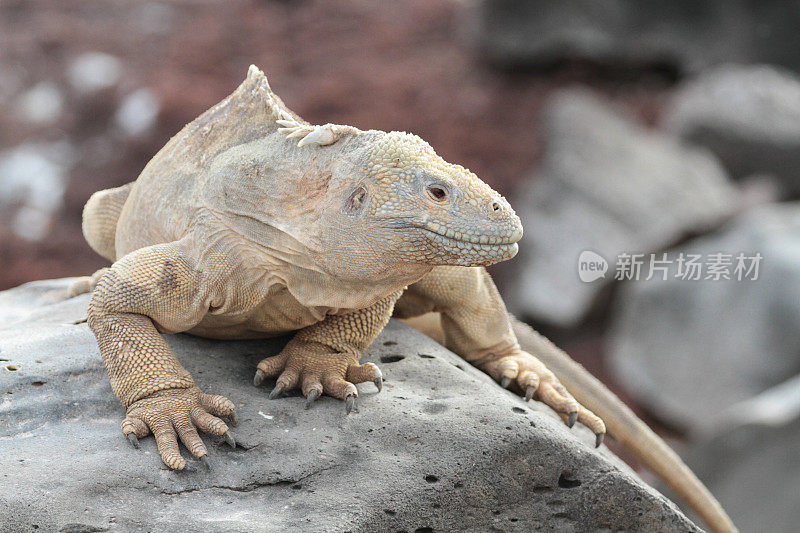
(91, 90)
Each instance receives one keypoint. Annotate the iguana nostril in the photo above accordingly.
(497, 205)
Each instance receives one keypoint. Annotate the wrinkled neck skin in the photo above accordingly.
(286, 204)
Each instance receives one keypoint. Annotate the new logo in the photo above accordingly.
(591, 266)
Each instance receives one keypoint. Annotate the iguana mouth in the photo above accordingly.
(483, 240)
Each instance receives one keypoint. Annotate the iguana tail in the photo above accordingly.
(621, 422)
(627, 428)
(100, 216)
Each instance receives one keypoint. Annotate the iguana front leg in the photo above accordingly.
(477, 327)
(153, 286)
(324, 358)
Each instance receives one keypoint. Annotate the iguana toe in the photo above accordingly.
(173, 414)
(277, 391)
(316, 372)
(529, 392)
(573, 417)
(593, 422)
(78, 287)
(312, 396)
(598, 439)
(357, 373)
(528, 374)
(84, 284)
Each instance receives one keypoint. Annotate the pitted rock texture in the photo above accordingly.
(442, 448)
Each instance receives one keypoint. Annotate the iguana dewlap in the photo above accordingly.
(251, 223)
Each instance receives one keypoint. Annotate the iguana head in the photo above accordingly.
(430, 211)
(392, 194)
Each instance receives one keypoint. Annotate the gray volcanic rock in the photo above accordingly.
(753, 451)
(441, 448)
(670, 337)
(681, 35)
(608, 186)
(748, 115)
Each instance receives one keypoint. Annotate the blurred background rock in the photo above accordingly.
(612, 126)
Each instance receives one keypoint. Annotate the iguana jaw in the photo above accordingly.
(467, 241)
(457, 251)
(469, 237)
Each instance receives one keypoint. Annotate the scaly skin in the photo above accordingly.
(253, 223)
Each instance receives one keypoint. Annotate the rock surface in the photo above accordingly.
(749, 116)
(441, 448)
(753, 452)
(608, 186)
(669, 338)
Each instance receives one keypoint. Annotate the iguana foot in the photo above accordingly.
(532, 378)
(178, 413)
(334, 374)
(85, 284)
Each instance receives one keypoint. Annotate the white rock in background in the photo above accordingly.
(94, 71)
(688, 350)
(751, 462)
(138, 112)
(609, 186)
(748, 115)
(33, 177)
(42, 104)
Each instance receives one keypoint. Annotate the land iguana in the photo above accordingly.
(251, 223)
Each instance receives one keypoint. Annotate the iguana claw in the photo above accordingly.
(133, 440)
(573, 417)
(277, 391)
(311, 366)
(206, 462)
(234, 419)
(311, 398)
(598, 439)
(258, 379)
(505, 382)
(188, 468)
(229, 439)
(529, 392)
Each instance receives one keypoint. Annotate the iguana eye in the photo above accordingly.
(437, 192)
(356, 200)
